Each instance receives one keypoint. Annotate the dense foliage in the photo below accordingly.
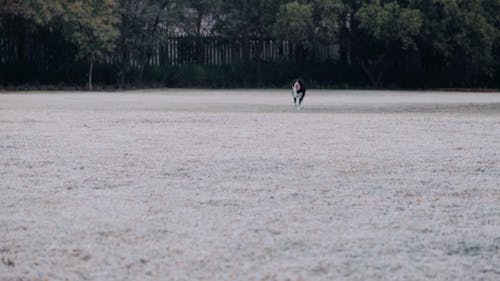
(383, 43)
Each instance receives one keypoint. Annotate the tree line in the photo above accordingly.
(443, 43)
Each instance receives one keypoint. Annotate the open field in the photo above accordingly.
(237, 185)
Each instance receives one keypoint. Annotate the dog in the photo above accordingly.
(298, 93)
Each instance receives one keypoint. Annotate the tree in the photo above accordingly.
(199, 16)
(461, 35)
(308, 23)
(328, 19)
(381, 33)
(294, 22)
(247, 18)
(90, 25)
(143, 25)
(10, 8)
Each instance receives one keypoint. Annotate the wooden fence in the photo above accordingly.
(43, 52)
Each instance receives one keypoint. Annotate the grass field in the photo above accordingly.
(238, 185)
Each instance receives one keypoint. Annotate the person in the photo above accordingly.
(298, 93)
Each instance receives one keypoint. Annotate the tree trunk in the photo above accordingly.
(125, 65)
(91, 68)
